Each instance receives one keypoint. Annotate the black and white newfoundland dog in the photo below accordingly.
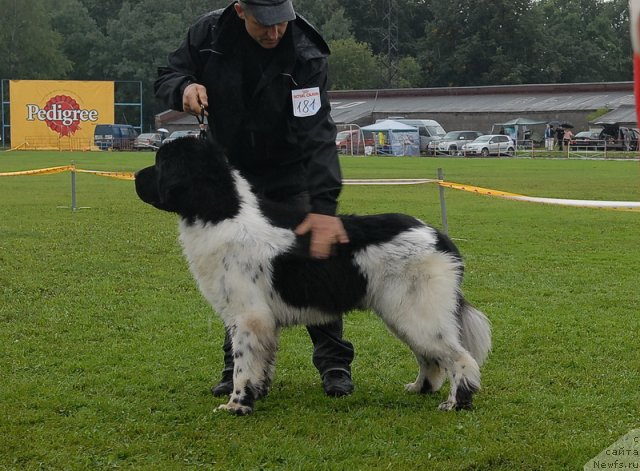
(258, 275)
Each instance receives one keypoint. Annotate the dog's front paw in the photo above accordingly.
(236, 408)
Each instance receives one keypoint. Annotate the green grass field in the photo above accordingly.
(108, 350)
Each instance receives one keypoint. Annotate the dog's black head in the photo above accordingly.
(192, 178)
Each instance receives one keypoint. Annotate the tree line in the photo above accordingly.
(374, 43)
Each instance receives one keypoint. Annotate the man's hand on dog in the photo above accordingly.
(194, 98)
(325, 231)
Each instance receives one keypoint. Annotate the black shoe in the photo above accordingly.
(225, 386)
(337, 383)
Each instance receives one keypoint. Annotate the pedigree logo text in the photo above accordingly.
(62, 114)
(46, 114)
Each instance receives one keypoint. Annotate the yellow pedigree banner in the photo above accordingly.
(46, 113)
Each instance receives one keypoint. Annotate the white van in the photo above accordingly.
(428, 129)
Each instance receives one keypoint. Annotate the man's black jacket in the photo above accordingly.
(280, 154)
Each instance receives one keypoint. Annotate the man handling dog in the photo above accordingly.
(260, 73)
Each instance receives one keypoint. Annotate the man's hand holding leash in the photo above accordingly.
(194, 98)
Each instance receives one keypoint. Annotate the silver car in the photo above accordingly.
(490, 144)
(147, 141)
(452, 142)
(178, 134)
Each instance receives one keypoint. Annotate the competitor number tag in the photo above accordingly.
(306, 101)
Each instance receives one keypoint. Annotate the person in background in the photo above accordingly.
(549, 135)
(566, 138)
(260, 72)
(559, 136)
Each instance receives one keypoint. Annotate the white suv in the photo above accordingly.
(490, 144)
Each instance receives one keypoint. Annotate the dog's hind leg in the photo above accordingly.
(430, 376)
(433, 336)
(421, 308)
(464, 375)
(438, 359)
(463, 367)
(254, 340)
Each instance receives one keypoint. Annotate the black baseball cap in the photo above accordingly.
(269, 12)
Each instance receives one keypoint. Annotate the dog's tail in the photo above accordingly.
(475, 331)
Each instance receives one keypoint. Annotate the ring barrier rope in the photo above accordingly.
(117, 175)
(389, 181)
(611, 205)
(40, 171)
(616, 205)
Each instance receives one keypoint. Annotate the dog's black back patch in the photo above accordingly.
(377, 228)
(334, 285)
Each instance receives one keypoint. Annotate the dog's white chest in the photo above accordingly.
(232, 261)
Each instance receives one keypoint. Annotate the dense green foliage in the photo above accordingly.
(456, 43)
(108, 349)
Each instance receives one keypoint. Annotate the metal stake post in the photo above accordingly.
(443, 206)
(73, 186)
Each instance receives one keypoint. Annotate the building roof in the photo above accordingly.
(493, 103)
(626, 114)
(358, 105)
(172, 117)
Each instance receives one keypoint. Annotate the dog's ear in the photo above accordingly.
(198, 155)
(195, 181)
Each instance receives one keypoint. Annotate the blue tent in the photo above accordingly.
(394, 138)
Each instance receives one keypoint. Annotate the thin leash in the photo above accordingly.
(203, 126)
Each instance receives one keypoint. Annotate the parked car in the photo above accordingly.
(114, 136)
(490, 144)
(619, 137)
(147, 141)
(177, 134)
(452, 142)
(587, 140)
